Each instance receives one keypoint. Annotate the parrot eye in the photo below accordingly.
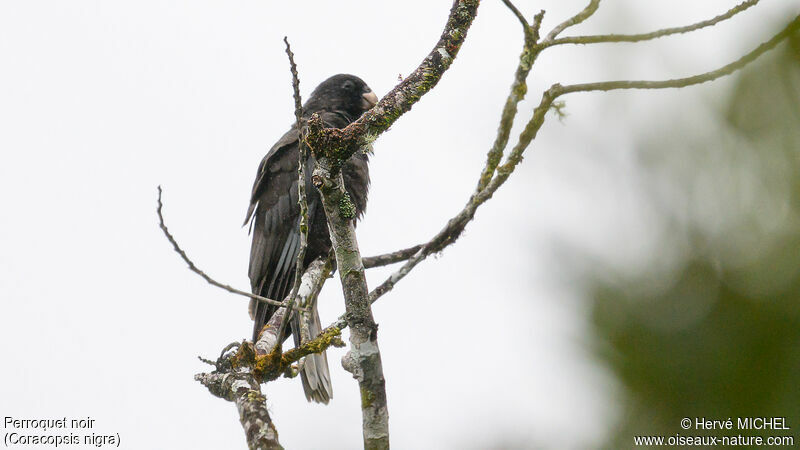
(348, 85)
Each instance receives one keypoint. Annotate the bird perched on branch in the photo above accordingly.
(275, 213)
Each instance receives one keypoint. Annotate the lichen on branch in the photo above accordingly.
(242, 388)
(339, 145)
(270, 366)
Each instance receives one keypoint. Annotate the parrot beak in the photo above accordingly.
(369, 100)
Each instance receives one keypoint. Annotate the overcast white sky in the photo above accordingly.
(101, 101)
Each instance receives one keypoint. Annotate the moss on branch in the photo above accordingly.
(267, 367)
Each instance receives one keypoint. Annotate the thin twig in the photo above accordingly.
(301, 191)
(516, 94)
(445, 237)
(792, 27)
(517, 13)
(196, 270)
(574, 20)
(654, 34)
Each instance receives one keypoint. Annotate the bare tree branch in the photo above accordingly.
(269, 366)
(517, 13)
(549, 96)
(196, 270)
(245, 392)
(238, 377)
(301, 192)
(517, 93)
(363, 359)
(390, 258)
(242, 388)
(311, 282)
(654, 34)
(574, 20)
(443, 238)
(264, 361)
(792, 27)
(525, 138)
(537, 24)
(456, 225)
(333, 146)
(339, 145)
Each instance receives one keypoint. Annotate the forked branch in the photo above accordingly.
(574, 20)
(485, 190)
(791, 28)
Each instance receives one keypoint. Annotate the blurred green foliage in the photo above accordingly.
(721, 337)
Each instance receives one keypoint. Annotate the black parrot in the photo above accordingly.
(339, 100)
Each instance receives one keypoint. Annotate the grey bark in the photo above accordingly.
(363, 359)
(242, 389)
